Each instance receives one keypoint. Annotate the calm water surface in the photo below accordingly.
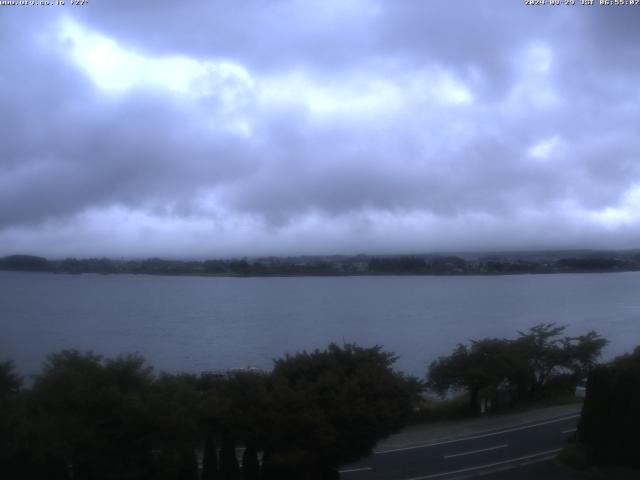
(201, 323)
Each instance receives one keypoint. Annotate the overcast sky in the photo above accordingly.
(203, 129)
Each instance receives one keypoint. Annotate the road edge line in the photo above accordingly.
(490, 465)
(488, 449)
(476, 436)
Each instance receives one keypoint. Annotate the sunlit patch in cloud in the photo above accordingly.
(112, 66)
(438, 86)
(627, 212)
(547, 149)
(370, 92)
(537, 59)
(117, 69)
(534, 86)
(351, 97)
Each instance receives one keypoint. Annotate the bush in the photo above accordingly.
(608, 427)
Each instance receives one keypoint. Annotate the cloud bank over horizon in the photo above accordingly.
(199, 129)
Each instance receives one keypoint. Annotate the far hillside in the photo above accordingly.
(506, 263)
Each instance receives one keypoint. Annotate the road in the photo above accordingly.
(487, 453)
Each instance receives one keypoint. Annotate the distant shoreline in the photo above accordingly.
(343, 266)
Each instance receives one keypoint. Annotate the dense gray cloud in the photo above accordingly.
(224, 128)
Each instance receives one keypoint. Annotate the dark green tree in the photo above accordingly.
(608, 427)
(530, 365)
(11, 421)
(331, 407)
(210, 458)
(483, 366)
(250, 464)
(174, 404)
(10, 381)
(91, 415)
(234, 407)
(176, 464)
(548, 355)
(229, 467)
(583, 352)
(543, 348)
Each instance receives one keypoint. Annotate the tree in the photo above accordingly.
(91, 415)
(250, 464)
(331, 407)
(10, 381)
(548, 355)
(240, 267)
(174, 405)
(210, 459)
(583, 352)
(484, 365)
(542, 348)
(611, 413)
(531, 363)
(229, 468)
(11, 416)
(232, 410)
(398, 265)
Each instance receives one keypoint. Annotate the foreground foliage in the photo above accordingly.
(608, 428)
(87, 417)
(502, 371)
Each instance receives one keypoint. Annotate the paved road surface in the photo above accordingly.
(492, 453)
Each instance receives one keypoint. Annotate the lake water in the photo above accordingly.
(208, 323)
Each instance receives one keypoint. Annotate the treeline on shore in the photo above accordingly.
(505, 264)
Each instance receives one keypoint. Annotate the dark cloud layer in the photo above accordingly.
(218, 128)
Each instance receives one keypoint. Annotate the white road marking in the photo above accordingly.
(487, 465)
(476, 451)
(351, 470)
(571, 430)
(474, 437)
